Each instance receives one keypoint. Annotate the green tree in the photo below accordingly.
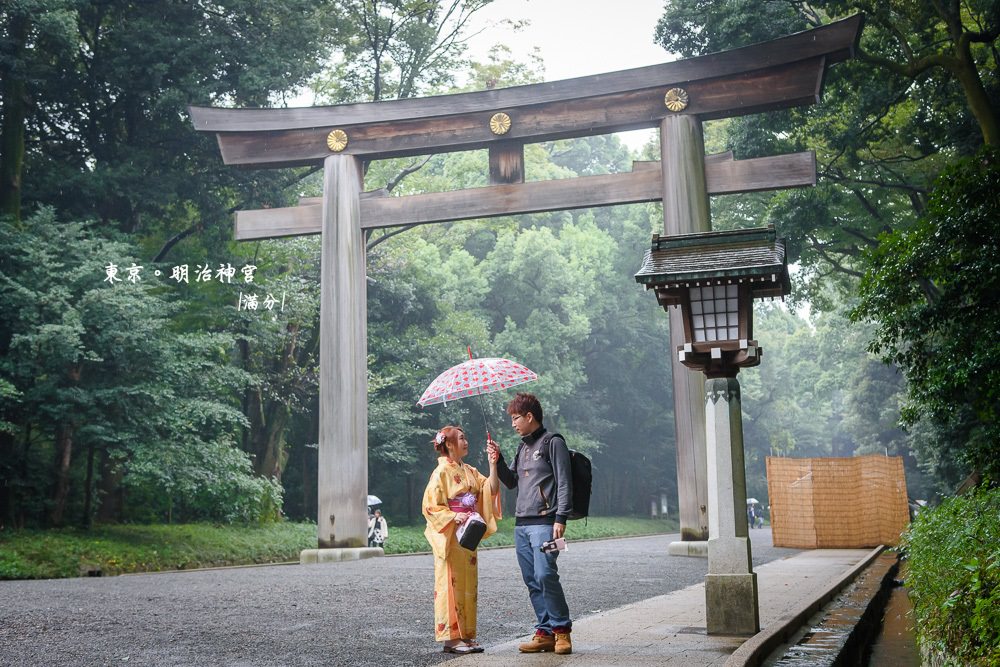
(108, 396)
(95, 97)
(27, 28)
(278, 346)
(931, 293)
(396, 49)
(922, 88)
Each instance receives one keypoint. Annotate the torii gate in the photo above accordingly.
(676, 97)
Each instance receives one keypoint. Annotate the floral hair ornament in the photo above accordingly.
(439, 438)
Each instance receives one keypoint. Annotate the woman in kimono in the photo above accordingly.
(457, 491)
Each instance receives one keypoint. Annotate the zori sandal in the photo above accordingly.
(459, 648)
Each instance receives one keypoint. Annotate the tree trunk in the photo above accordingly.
(243, 345)
(267, 435)
(64, 451)
(14, 97)
(966, 70)
(409, 499)
(271, 455)
(7, 461)
(64, 456)
(88, 489)
(109, 489)
(22, 474)
(310, 465)
(979, 100)
(269, 418)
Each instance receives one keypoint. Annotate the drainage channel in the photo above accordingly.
(843, 632)
(896, 644)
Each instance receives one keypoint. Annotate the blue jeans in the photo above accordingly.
(541, 576)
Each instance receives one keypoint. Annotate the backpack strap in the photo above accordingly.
(547, 448)
(547, 453)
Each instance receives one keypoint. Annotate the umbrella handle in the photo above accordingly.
(486, 423)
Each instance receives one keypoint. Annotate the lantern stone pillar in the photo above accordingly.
(731, 584)
(685, 211)
(712, 279)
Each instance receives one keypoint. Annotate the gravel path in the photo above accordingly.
(371, 612)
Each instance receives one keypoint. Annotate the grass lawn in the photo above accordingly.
(111, 550)
(410, 539)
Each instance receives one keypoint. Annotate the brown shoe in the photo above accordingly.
(564, 645)
(540, 643)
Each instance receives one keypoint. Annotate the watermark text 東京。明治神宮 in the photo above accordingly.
(203, 273)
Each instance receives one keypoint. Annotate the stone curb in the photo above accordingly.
(694, 549)
(384, 555)
(755, 650)
(312, 556)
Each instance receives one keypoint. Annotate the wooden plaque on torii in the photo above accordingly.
(676, 97)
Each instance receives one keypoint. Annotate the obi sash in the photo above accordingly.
(464, 502)
(472, 530)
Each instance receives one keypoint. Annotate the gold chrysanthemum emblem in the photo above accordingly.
(500, 123)
(676, 99)
(336, 140)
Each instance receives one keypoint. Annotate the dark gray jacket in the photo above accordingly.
(543, 480)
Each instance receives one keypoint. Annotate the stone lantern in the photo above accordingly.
(713, 278)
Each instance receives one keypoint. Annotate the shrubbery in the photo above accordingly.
(954, 578)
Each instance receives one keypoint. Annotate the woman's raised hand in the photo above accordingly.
(492, 450)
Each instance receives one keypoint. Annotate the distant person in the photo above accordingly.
(544, 500)
(751, 520)
(378, 530)
(458, 498)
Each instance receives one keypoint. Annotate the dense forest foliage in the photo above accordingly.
(159, 393)
(921, 94)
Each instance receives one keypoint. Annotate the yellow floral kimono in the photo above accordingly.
(456, 575)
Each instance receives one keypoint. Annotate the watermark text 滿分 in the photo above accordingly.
(225, 273)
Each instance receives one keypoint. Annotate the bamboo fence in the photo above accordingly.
(837, 503)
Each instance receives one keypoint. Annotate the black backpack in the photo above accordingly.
(580, 472)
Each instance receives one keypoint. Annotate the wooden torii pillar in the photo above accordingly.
(676, 97)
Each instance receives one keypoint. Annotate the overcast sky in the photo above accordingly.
(574, 38)
(577, 37)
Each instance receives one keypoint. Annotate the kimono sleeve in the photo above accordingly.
(440, 518)
(488, 505)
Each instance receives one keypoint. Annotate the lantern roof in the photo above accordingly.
(753, 256)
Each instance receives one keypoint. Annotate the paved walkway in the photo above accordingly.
(670, 629)
(632, 603)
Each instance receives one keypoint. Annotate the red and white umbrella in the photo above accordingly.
(474, 378)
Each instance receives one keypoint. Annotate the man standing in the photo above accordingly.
(541, 474)
(378, 530)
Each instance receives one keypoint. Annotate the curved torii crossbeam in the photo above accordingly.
(783, 73)
(676, 97)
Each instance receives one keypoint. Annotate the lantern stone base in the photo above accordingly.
(731, 604)
(308, 556)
